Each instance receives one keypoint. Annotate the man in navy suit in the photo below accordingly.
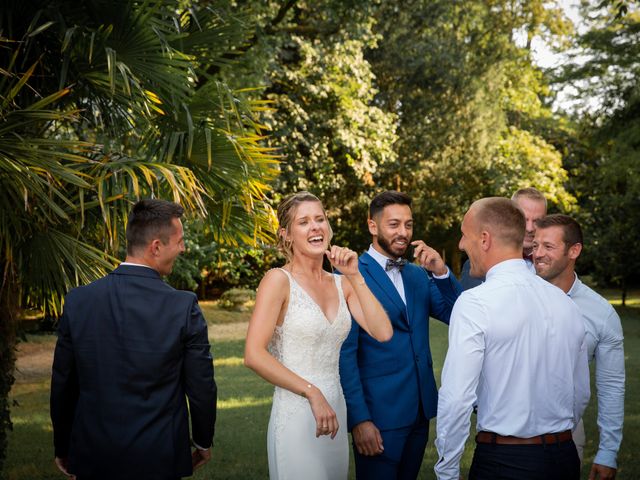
(130, 351)
(389, 387)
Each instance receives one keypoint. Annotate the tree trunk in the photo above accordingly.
(8, 312)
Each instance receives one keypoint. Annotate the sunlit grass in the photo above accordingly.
(245, 401)
(228, 362)
(242, 402)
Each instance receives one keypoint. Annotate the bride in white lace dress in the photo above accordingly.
(302, 316)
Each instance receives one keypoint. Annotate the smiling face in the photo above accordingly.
(392, 230)
(169, 251)
(553, 258)
(309, 232)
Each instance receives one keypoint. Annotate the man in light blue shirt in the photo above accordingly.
(517, 350)
(557, 246)
(534, 206)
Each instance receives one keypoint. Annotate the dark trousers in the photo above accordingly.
(402, 456)
(557, 461)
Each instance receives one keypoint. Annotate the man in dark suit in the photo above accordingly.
(130, 351)
(389, 387)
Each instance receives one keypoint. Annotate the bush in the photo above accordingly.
(238, 299)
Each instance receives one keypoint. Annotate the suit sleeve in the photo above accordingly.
(64, 389)
(443, 293)
(357, 410)
(200, 385)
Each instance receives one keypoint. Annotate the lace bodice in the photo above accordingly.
(306, 342)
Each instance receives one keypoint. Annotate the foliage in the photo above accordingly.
(102, 103)
(606, 145)
(333, 138)
(473, 120)
(211, 266)
(240, 299)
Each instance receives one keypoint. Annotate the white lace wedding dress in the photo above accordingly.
(308, 344)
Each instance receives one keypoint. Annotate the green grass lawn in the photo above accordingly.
(244, 405)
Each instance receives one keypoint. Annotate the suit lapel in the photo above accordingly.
(380, 277)
(409, 282)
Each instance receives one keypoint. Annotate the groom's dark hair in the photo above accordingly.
(150, 219)
(390, 197)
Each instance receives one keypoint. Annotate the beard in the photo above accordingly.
(550, 271)
(394, 252)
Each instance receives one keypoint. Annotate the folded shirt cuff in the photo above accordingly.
(198, 446)
(606, 458)
(441, 277)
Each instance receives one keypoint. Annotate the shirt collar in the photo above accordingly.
(136, 265)
(575, 286)
(511, 265)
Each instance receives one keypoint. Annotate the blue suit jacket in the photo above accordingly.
(130, 351)
(386, 382)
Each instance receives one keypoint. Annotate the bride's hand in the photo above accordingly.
(326, 419)
(344, 259)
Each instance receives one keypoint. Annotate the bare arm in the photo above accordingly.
(363, 305)
(271, 300)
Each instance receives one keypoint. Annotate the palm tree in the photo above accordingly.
(101, 103)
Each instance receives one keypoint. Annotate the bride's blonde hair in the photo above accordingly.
(286, 212)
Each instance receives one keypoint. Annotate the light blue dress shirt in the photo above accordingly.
(517, 349)
(604, 345)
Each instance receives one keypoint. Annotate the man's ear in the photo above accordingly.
(574, 251)
(485, 239)
(154, 247)
(373, 227)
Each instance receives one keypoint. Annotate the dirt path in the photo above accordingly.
(34, 359)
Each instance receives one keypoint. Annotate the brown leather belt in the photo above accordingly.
(490, 437)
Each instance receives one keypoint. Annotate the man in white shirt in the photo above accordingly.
(534, 206)
(557, 246)
(517, 350)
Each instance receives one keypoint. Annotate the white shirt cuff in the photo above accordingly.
(441, 277)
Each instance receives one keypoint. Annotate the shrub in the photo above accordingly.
(239, 299)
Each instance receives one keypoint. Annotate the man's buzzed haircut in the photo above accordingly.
(150, 219)
(530, 193)
(502, 218)
(390, 197)
(571, 231)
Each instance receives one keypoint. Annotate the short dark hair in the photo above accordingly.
(571, 231)
(150, 219)
(503, 218)
(390, 197)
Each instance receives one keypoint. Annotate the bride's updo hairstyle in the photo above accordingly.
(286, 213)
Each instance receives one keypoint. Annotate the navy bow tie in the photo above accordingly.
(399, 264)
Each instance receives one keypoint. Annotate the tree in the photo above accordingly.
(605, 75)
(104, 102)
(333, 139)
(473, 118)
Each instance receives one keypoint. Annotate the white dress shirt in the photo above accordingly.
(517, 350)
(394, 274)
(604, 345)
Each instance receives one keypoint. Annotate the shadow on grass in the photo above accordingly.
(244, 406)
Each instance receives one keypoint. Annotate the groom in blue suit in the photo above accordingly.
(389, 387)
